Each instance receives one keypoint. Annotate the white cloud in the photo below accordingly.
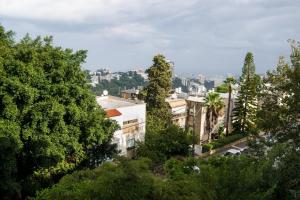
(131, 30)
(85, 10)
(199, 35)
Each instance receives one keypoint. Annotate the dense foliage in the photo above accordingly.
(232, 178)
(50, 123)
(162, 144)
(280, 99)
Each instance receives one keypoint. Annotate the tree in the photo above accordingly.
(222, 88)
(167, 142)
(115, 86)
(158, 88)
(229, 82)
(123, 180)
(279, 113)
(214, 104)
(50, 123)
(247, 100)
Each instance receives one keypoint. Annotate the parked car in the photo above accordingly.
(231, 152)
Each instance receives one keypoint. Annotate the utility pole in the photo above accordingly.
(194, 116)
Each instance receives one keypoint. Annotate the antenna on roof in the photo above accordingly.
(105, 93)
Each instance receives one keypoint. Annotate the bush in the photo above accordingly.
(221, 142)
(207, 147)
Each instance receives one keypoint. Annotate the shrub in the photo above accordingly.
(221, 142)
(207, 147)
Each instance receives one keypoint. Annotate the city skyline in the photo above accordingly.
(207, 37)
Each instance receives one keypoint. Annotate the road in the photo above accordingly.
(238, 146)
(222, 150)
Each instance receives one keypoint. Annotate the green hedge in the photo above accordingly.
(221, 142)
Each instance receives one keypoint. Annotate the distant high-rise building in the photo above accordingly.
(201, 78)
(172, 67)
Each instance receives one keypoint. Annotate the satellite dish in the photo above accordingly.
(105, 92)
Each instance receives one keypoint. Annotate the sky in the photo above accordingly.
(200, 36)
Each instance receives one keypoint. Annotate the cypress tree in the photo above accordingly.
(246, 104)
(158, 88)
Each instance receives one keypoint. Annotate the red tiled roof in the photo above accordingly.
(113, 113)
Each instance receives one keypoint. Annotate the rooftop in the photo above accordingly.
(196, 99)
(111, 102)
(176, 102)
(113, 113)
(131, 91)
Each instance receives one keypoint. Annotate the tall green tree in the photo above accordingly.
(214, 104)
(247, 100)
(280, 107)
(50, 123)
(229, 82)
(158, 88)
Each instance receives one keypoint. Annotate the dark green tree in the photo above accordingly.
(163, 143)
(158, 88)
(50, 123)
(123, 180)
(247, 100)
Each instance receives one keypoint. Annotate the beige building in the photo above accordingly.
(196, 115)
(130, 94)
(178, 109)
(224, 96)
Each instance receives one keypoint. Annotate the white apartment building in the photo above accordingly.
(131, 117)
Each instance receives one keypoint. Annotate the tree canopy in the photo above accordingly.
(50, 123)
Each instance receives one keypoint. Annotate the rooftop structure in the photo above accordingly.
(130, 94)
(110, 102)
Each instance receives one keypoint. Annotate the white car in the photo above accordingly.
(232, 152)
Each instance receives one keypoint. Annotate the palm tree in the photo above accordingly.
(214, 105)
(229, 82)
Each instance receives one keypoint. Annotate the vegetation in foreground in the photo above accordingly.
(50, 126)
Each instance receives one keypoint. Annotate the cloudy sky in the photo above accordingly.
(200, 36)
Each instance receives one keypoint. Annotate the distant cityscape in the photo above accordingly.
(194, 85)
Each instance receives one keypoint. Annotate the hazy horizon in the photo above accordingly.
(199, 36)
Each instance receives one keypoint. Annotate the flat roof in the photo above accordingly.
(134, 91)
(196, 99)
(176, 102)
(111, 102)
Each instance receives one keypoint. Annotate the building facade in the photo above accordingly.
(178, 108)
(130, 116)
(130, 94)
(196, 117)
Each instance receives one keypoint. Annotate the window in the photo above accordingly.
(130, 121)
(130, 143)
(131, 126)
